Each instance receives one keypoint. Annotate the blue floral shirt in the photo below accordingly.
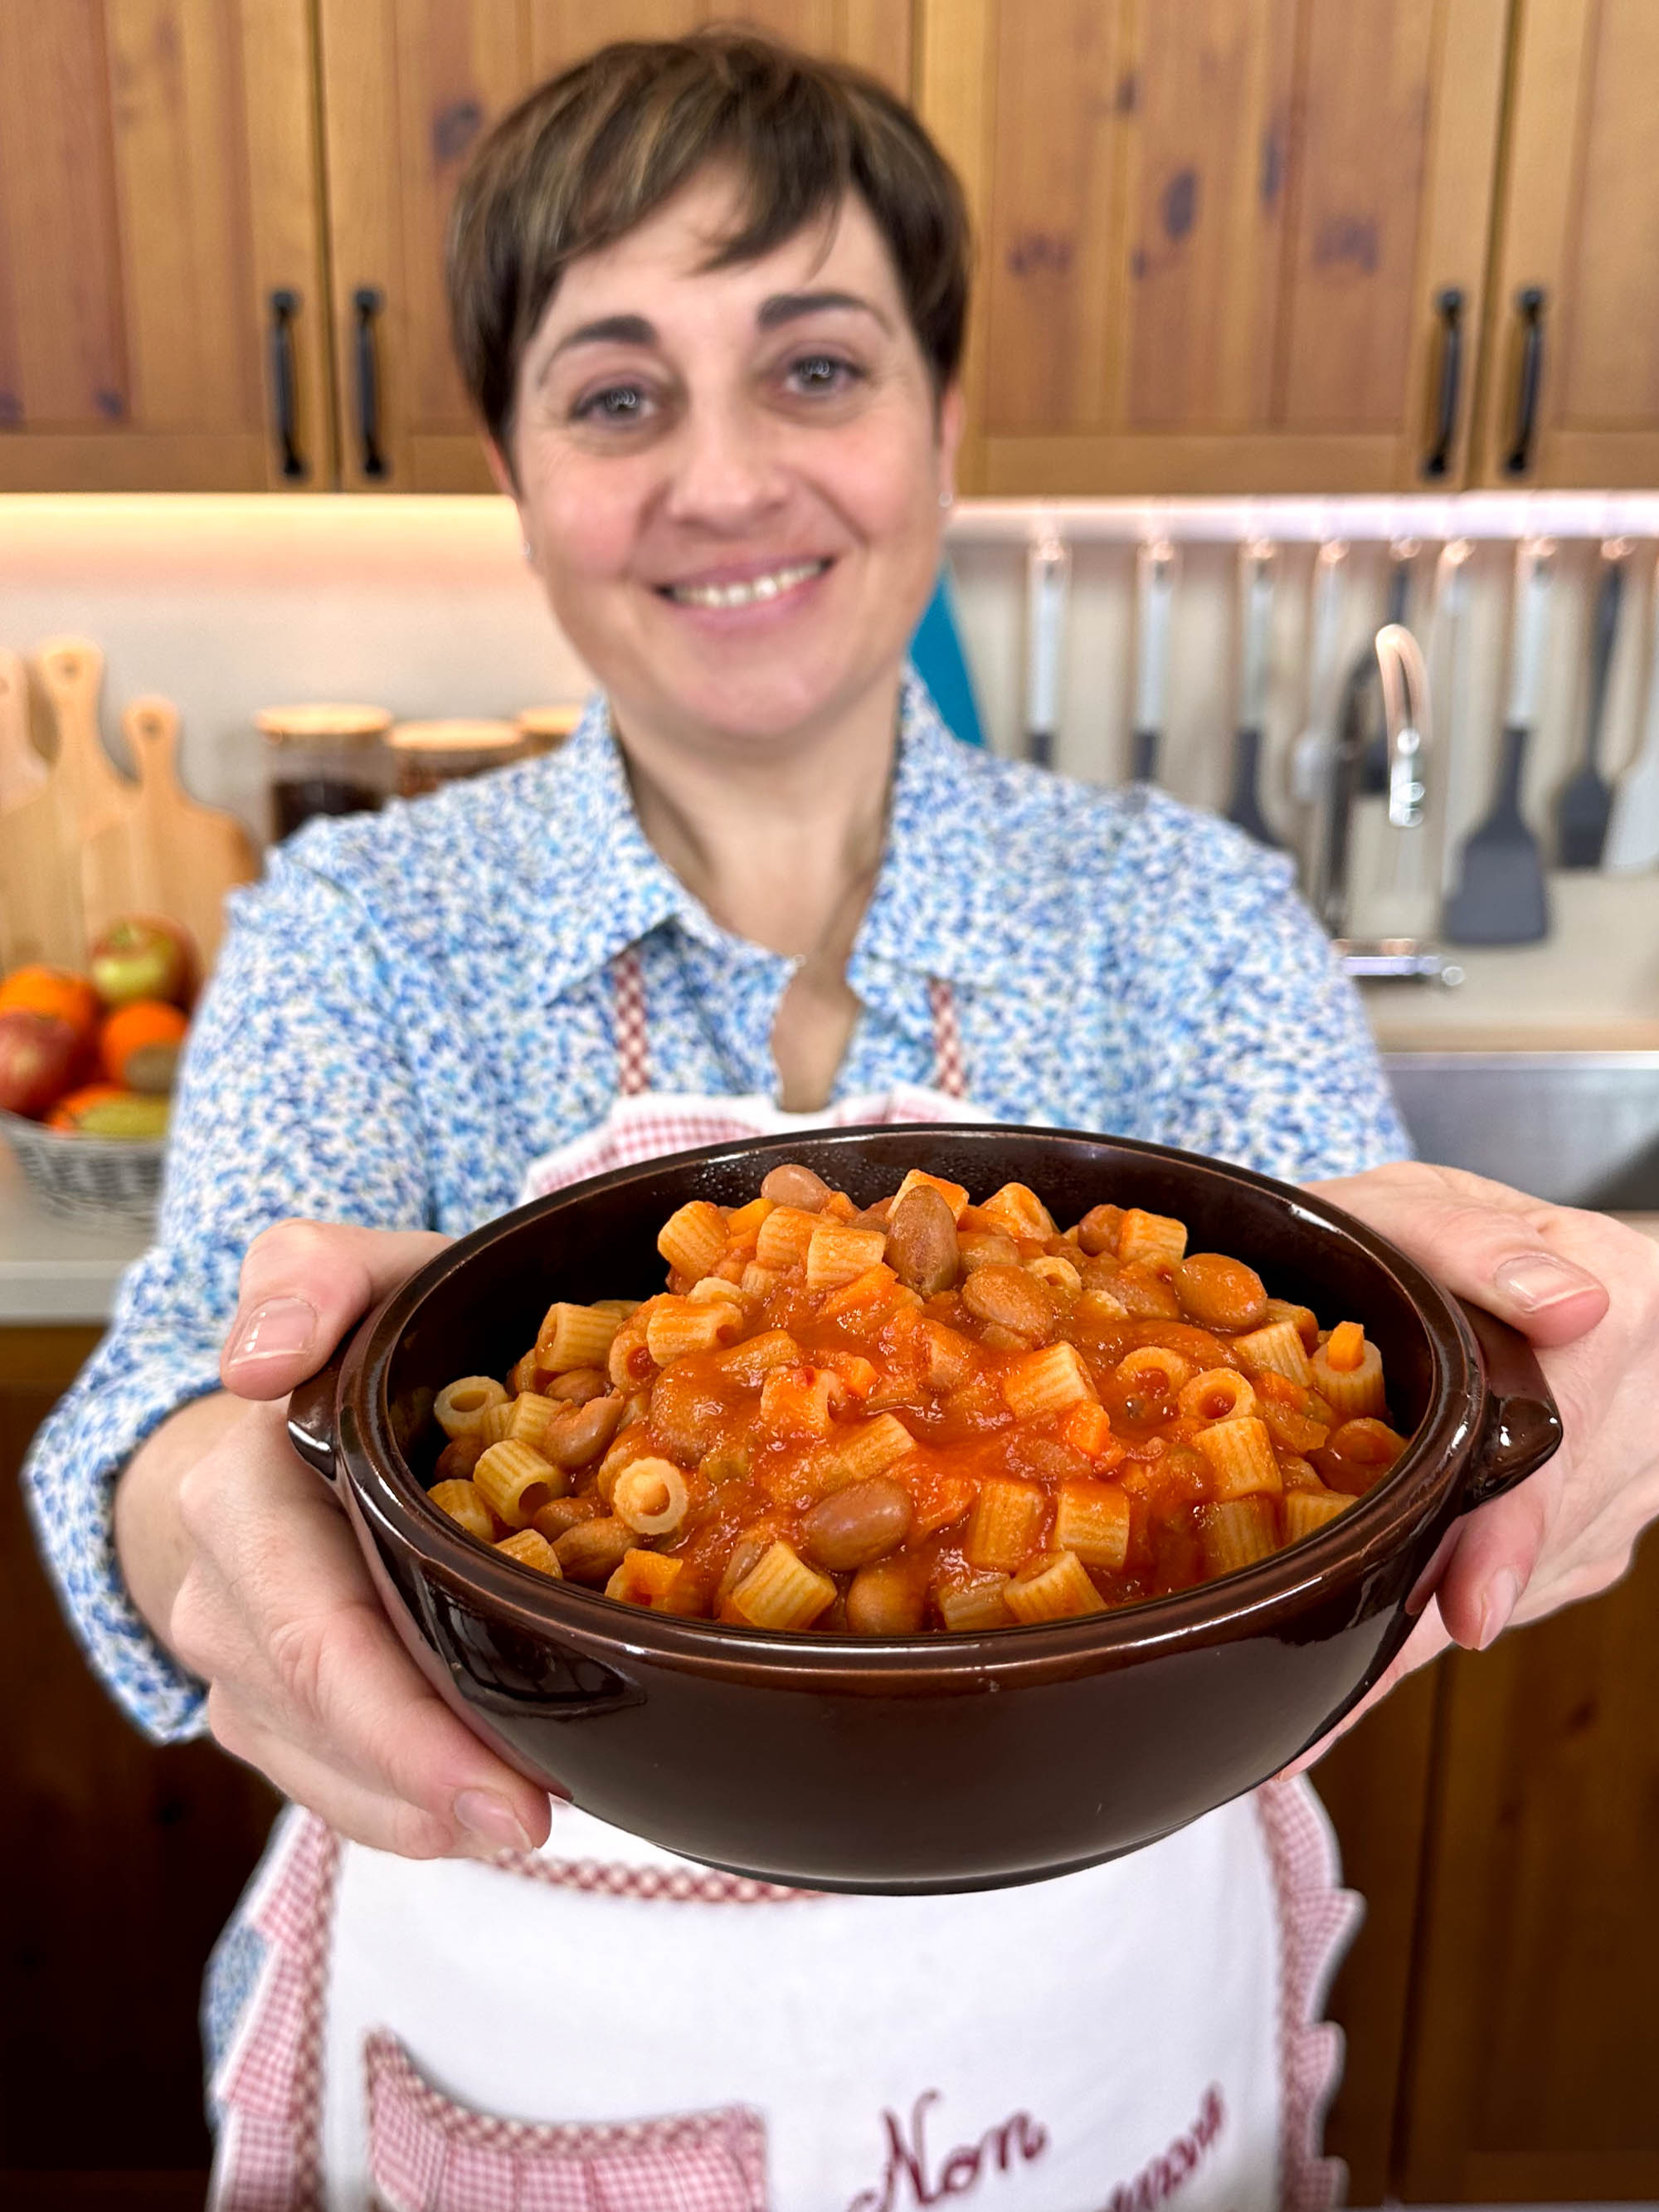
(411, 1007)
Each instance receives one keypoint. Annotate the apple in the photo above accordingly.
(38, 1060)
(143, 956)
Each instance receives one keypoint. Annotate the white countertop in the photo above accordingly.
(53, 1270)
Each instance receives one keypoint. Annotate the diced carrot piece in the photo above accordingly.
(1345, 1348)
(875, 1287)
(1088, 1428)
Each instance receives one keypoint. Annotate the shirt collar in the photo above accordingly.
(600, 886)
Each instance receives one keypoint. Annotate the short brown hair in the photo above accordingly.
(591, 153)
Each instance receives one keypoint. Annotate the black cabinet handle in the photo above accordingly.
(1529, 305)
(369, 303)
(1448, 307)
(285, 382)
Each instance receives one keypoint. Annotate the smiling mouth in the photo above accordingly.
(751, 592)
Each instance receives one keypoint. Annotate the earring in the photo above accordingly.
(947, 499)
(529, 552)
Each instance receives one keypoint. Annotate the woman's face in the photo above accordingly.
(730, 479)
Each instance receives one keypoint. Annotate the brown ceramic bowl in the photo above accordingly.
(931, 1762)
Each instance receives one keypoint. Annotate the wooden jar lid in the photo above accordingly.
(453, 734)
(321, 721)
(549, 726)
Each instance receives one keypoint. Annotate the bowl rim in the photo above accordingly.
(1254, 1597)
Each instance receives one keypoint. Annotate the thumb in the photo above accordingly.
(303, 1285)
(1492, 1245)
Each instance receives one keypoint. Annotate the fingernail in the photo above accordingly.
(1500, 1602)
(492, 1820)
(1537, 1279)
(276, 1330)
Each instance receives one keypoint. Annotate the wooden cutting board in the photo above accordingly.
(41, 915)
(22, 770)
(91, 844)
(180, 857)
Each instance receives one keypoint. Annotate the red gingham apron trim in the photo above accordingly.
(709, 2161)
(657, 1885)
(1317, 1918)
(633, 1038)
(270, 2146)
(632, 1034)
(950, 1068)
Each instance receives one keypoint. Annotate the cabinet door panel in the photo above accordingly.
(1209, 136)
(63, 353)
(1046, 260)
(1535, 2050)
(1580, 220)
(158, 185)
(182, 188)
(1215, 235)
(1368, 96)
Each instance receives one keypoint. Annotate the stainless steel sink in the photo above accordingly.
(1578, 1128)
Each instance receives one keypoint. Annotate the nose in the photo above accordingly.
(726, 470)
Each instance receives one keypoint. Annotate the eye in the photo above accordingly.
(818, 372)
(618, 404)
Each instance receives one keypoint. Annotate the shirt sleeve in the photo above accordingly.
(1266, 1057)
(293, 1099)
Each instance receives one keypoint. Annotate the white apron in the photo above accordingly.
(605, 2026)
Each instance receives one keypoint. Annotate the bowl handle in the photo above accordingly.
(311, 1416)
(1522, 1426)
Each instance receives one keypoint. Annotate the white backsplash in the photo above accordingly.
(424, 605)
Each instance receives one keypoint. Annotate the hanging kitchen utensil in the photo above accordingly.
(1256, 578)
(1310, 754)
(185, 856)
(1586, 801)
(1449, 651)
(1499, 898)
(1633, 830)
(1155, 580)
(23, 771)
(1048, 573)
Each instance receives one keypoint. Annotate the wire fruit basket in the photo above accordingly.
(91, 1179)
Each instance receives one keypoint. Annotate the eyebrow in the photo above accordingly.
(781, 308)
(785, 307)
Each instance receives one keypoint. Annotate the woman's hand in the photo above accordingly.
(271, 1603)
(1585, 1291)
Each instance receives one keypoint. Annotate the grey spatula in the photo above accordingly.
(1155, 575)
(1499, 898)
(1586, 801)
(1244, 807)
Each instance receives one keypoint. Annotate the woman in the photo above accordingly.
(708, 297)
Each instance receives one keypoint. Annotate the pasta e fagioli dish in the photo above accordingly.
(926, 1414)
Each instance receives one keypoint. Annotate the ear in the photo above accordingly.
(501, 469)
(952, 418)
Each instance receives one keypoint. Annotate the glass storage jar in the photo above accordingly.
(326, 758)
(426, 755)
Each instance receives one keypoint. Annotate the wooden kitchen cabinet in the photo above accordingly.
(1530, 2070)
(1570, 389)
(1234, 246)
(407, 87)
(119, 1862)
(161, 303)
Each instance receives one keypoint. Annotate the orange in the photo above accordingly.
(105, 1109)
(139, 1044)
(55, 991)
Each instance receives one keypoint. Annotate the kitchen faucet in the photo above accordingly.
(1395, 663)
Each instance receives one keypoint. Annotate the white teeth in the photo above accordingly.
(746, 593)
